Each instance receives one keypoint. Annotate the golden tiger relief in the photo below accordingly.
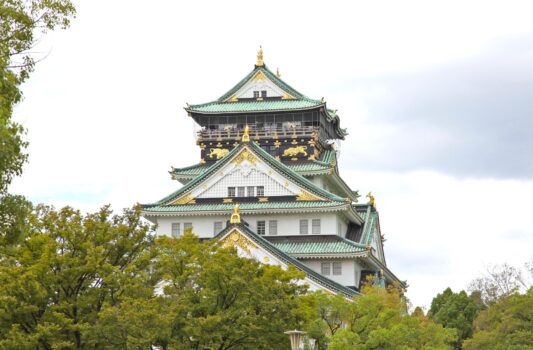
(294, 151)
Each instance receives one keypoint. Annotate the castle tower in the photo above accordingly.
(268, 155)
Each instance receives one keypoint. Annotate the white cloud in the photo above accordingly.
(105, 119)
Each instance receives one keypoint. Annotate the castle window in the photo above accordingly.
(260, 191)
(250, 191)
(263, 93)
(337, 268)
(175, 229)
(261, 227)
(316, 227)
(304, 227)
(325, 268)
(273, 227)
(256, 94)
(187, 226)
(240, 191)
(217, 227)
(231, 191)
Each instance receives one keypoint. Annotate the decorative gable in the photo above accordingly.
(248, 170)
(247, 248)
(260, 86)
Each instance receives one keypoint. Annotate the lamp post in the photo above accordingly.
(296, 337)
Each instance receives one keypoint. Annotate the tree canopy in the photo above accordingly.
(456, 311)
(376, 320)
(507, 324)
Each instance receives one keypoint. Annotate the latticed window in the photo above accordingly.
(316, 226)
(175, 229)
(325, 268)
(260, 191)
(187, 225)
(250, 191)
(231, 191)
(273, 227)
(240, 191)
(304, 227)
(217, 227)
(261, 227)
(263, 93)
(256, 94)
(337, 268)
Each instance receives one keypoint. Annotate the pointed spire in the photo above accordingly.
(236, 215)
(260, 62)
(246, 135)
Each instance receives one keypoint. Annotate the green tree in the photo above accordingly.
(455, 310)
(21, 23)
(217, 300)
(507, 324)
(378, 320)
(68, 269)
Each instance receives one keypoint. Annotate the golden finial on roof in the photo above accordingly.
(246, 135)
(371, 199)
(278, 74)
(236, 215)
(260, 57)
(322, 100)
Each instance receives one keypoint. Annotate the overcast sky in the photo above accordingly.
(436, 95)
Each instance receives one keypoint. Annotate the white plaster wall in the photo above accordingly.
(287, 224)
(254, 178)
(347, 278)
(247, 91)
(202, 226)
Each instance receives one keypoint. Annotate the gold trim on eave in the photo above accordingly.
(186, 199)
(306, 196)
(237, 239)
(245, 155)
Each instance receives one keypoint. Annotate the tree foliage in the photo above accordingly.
(507, 324)
(457, 311)
(221, 301)
(379, 320)
(21, 24)
(69, 267)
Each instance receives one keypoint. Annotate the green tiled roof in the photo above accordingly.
(298, 102)
(254, 206)
(323, 165)
(273, 77)
(317, 245)
(287, 259)
(254, 106)
(265, 156)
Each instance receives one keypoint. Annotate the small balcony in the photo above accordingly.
(258, 133)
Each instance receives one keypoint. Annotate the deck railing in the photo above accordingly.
(258, 133)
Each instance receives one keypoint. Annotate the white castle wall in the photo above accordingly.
(350, 270)
(287, 224)
(253, 178)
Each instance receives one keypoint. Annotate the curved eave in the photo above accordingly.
(191, 110)
(373, 260)
(329, 255)
(226, 211)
